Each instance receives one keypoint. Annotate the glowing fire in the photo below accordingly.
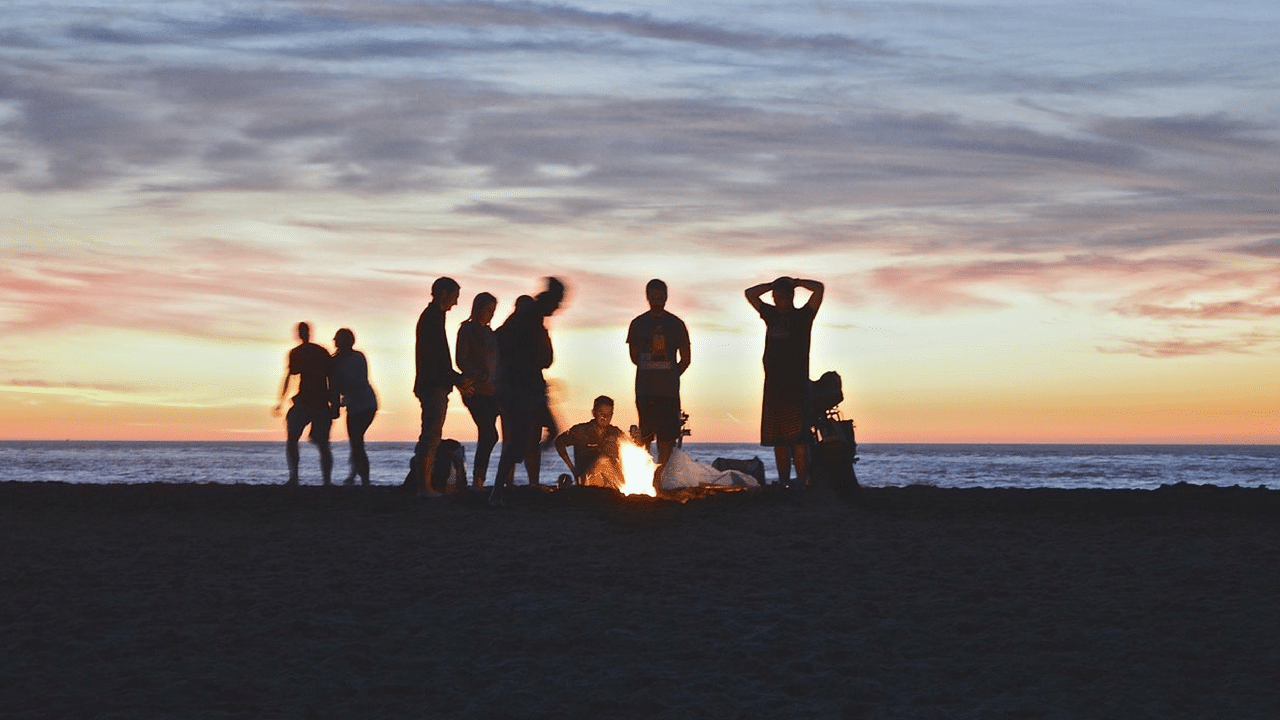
(637, 470)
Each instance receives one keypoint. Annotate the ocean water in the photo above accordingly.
(881, 464)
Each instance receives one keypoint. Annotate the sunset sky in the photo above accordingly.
(1036, 221)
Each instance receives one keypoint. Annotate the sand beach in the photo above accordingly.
(222, 601)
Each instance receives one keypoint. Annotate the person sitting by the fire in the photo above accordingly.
(596, 458)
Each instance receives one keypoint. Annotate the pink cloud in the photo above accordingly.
(1247, 343)
(1228, 310)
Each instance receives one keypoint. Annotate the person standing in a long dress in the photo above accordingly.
(785, 415)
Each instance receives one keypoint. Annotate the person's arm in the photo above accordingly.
(815, 287)
(633, 346)
(755, 294)
(284, 389)
(562, 447)
(546, 354)
(331, 384)
(683, 358)
(469, 364)
(462, 350)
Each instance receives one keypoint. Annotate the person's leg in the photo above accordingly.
(782, 453)
(321, 421)
(665, 447)
(357, 425)
(484, 411)
(295, 422)
(800, 454)
(665, 413)
(647, 414)
(533, 454)
(352, 451)
(435, 404)
(517, 416)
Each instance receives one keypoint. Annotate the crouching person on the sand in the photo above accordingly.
(448, 471)
(596, 460)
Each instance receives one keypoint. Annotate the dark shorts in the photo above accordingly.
(435, 404)
(300, 416)
(659, 417)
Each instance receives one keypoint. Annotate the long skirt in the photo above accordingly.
(785, 417)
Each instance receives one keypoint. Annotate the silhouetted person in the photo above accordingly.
(451, 460)
(434, 380)
(524, 351)
(785, 416)
(350, 380)
(314, 404)
(659, 344)
(596, 458)
(477, 353)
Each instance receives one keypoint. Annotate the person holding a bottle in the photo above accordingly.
(659, 343)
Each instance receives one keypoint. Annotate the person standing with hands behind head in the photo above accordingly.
(434, 380)
(314, 404)
(351, 385)
(659, 344)
(785, 416)
(477, 353)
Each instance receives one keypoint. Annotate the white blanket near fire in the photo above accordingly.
(682, 471)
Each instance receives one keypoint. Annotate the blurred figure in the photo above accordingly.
(524, 351)
(785, 415)
(596, 457)
(434, 380)
(314, 404)
(477, 354)
(351, 385)
(659, 345)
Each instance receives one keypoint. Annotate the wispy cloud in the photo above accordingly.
(1182, 347)
(220, 170)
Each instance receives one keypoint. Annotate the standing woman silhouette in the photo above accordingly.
(351, 382)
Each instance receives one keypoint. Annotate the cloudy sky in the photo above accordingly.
(1036, 221)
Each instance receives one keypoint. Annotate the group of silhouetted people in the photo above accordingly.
(327, 383)
(499, 374)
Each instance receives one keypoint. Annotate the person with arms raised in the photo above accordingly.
(785, 415)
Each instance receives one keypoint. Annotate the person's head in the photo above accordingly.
(784, 292)
(444, 292)
(602, 411)
(344, 339)
(304, 332)
(483, 307)
(656, 293)
(549, 300)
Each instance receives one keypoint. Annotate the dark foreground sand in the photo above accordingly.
(184, 601)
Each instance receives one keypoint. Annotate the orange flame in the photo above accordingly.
(637, 470)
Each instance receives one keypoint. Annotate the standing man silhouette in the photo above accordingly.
(659, 344)
(315, 403)
(434, 380)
